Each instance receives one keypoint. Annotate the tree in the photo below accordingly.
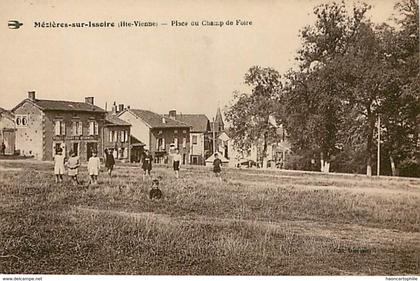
(402, 106)
(313, 95)
(249, 116)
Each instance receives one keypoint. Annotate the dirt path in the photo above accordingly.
(344, 233)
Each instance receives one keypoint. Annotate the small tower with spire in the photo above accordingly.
(218, 121)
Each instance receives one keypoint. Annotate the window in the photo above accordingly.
(21, 120)
(60, 128)
(122, 136)
(77, 128)
(111, 136)
(194, 140)
(184, 142)
(160, 144)
(126, 136)
(115, 134)
(176, 142)
(176, 132)
(93, 128)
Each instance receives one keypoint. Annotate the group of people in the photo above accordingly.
(73, 164)
(94, 165)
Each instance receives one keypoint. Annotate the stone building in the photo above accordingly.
(200, 144)
(44, 125)
(117, 135)
(7, 131)
(159, 134)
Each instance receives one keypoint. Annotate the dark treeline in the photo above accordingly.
(351, 73)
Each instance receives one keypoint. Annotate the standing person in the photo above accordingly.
(147, 164)
(73, 164)
(217, 164)
(94, 165)
(109, 162)
(177, 162)
(3, 148)
(59, 165)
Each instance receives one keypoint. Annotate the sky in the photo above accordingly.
(192, 69)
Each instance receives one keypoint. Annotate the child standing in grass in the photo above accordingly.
(177, 161)
(94, 166)
(59, 165)
(147, 164)
(73, 164)
(217, 164)
(109, 161)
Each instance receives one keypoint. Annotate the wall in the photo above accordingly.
(169, 134)
(139, 129)
(111, 144)
(50, 139)
(197, 150)
(29, 138)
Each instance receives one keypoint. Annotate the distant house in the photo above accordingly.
(199, 141)
(42, 126)
(117, 135)
(160, 134)
(7, 131)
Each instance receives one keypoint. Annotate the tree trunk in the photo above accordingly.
(394, 169)
(265, 151)
(369, 147)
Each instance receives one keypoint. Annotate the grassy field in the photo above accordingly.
(255, 222)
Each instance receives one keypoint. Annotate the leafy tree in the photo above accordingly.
(313, 96)
(249, 116)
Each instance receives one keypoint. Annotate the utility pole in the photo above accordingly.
(379, 147)
(214, 139)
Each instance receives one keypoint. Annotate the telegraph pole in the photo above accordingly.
(214, 139)
(379, 146)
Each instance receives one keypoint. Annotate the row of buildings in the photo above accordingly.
(37, 127)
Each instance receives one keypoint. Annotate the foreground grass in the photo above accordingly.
(255, 222)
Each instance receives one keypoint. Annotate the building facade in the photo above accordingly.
(117, 136)
(199, 140)
(159, 134)
(42, 126)
(7, 131)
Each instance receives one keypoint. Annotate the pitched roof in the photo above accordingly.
(6, 113)
(64, 105)
(198, 122)
(113, 120)
(155, 120)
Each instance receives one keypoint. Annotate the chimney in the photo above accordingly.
(172, 114)
(31, 95)
(114, 108)
(120, 107)
(89, 100)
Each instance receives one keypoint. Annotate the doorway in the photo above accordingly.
(91, 147)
